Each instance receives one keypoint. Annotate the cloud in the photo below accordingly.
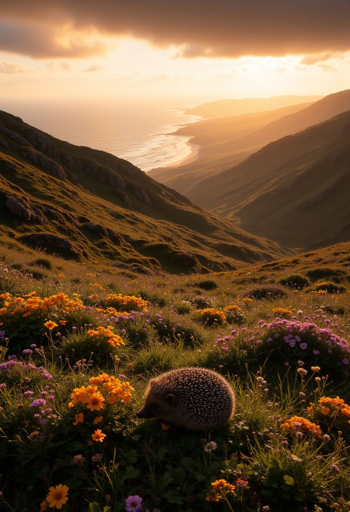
(44, 41)
(310, 60)
(93, 68)
(59, 66)
(10, 68)
(200, 28)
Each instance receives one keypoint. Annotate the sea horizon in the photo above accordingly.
(142, 132)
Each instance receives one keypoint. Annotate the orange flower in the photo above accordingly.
(57, 496)
(98, 419)
(79, 418)
(43, 505)
(96, 402)
(325, 411)
(165, 426)
(98, 436)
(50, 325)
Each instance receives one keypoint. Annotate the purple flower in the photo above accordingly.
(27, 351)
(43, 422)
(39, 402)
(316, 352)
(335, 468)
(2, 385)
(345, 360)
(303, 346)
(133, 504)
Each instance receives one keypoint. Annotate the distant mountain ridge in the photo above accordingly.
(87, 204)
(295, 190)
(221, 156)
(234, 107)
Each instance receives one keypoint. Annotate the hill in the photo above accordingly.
(87, 204)
(237, 143)
(233, 107)
(294, 191)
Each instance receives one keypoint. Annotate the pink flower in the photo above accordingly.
(133, 503)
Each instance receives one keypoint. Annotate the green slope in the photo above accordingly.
(295, 190)
(105, 208)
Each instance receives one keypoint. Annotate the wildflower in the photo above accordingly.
(43, 505)
(302, 371)
(242, 484)
(210, 446)
(98, 419)
(298, 425)
(39, 402)
(335, 468)
(315, 369)
(325, 411)
(57, 496)
(79, 418)
(165, 426)
(133, 503)
(78, 460)
(222, 485)
(50, 325)
(97, 458)
(265, 508)
(98, 436)
(96, 402)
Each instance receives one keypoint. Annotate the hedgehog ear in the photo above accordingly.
(151, 382)
(170, 398)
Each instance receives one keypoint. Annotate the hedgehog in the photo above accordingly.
(194, 398)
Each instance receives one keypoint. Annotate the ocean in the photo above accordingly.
(138, 131)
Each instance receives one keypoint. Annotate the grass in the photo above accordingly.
(58, 442)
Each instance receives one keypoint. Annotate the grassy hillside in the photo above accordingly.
(294, 190)
(91, 205)
(236, 145)
(220, 147)
(79, 343)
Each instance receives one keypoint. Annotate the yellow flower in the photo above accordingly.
(299, 424)
(98, 436)
(43, 505)
(223, 486)
(96, 402)
(98, 419)
(57, 496)
(50, 325)
(79, 418)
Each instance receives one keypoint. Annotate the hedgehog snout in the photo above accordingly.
(144, 413)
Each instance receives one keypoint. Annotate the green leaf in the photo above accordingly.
(161, 454)
(94, 507)
(188, 463)
(289, 480)
(298, 497)
(267, 492)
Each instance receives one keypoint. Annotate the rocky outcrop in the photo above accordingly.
(6, 164)
(110, 178)
(73, 163)
(22, 208)
(4, 144)
(185, 259)
(52, 244)
(18, 139)
(140, 192)
(46, 163)
(43, 144)
(105, 232)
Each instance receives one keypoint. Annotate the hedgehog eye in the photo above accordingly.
(154, 406)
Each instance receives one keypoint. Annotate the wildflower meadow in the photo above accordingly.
(79, 346)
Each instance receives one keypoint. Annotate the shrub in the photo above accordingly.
(125, 302)
(43, 262)
(295, 281)
(267, 292)
(335, 274)
(203, 302)
(329, 287)
(207, 284)
(210, 316)
(183, 307)
(234, 314)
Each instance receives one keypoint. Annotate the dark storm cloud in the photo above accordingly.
(40, 41)
(212, 28)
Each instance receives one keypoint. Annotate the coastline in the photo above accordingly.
(195, 148)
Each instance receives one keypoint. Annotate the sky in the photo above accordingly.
(186, 50)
